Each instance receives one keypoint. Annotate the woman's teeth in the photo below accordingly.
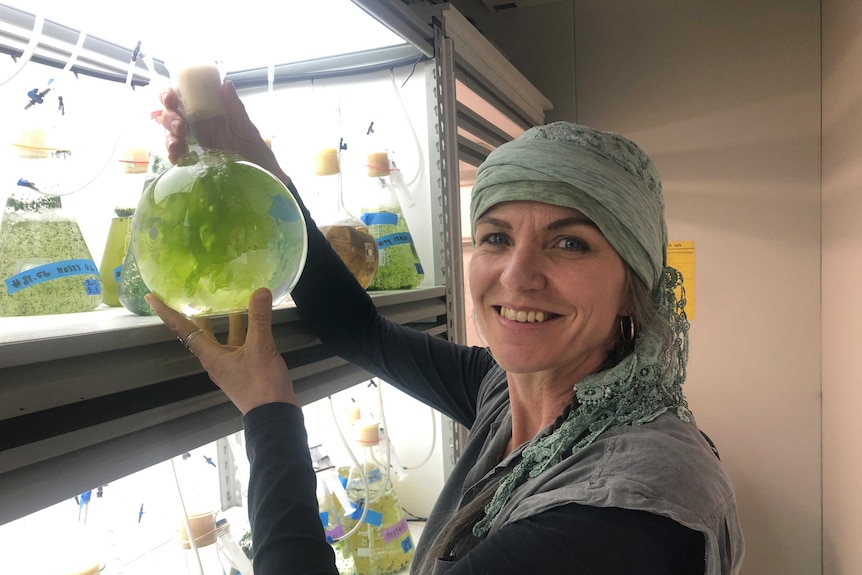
(523, 316)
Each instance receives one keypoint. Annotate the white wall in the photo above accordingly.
(725, 96)
(842, 304)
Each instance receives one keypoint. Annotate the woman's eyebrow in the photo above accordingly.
(555, 225)
(492, 221)
(573, 221)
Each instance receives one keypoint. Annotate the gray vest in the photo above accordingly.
(665, 467)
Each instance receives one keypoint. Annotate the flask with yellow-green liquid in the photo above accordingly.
(214, 227)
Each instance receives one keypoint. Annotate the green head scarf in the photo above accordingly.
(613, 182)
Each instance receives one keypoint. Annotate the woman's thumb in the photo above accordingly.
(260, 318)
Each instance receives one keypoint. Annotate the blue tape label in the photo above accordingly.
(374, 518)
(392, 240)
(93, 287)
(379, 219)
(374, 475)
(117, 272)
(51, 271)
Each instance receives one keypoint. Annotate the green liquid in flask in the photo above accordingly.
(212, 229)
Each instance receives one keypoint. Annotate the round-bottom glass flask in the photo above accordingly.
(348, 236)
(212, 229)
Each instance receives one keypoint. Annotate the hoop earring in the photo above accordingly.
(627, 333)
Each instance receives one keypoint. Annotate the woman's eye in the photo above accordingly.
(494, 239)
(573, 244)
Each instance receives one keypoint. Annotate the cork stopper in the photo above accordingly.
(366, 432)
(377, 164)
(32, 144)
(203, 529)
(326, 162)
(198, 89)
(134, 160)
(353, 414)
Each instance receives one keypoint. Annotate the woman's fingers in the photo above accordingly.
(204, 323)
(195, 338)
(260, 320)
(170, 99)
(250, 373)
(236, 330)
(175, 126)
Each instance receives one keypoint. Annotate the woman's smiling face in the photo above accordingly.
(548, 289)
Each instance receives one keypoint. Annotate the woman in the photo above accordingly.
(583, 456)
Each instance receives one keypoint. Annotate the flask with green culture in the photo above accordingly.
(214, 227)
(331, 512)
(399, 266)
(120, 230)
(348, 236)
(132, 288)
(45, 264)
(383, 544)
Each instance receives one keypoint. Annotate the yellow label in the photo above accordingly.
(680, 256)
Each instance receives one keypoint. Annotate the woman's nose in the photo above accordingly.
(523, 270)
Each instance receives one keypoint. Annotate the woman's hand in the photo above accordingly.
(239, 136)
(249, 368)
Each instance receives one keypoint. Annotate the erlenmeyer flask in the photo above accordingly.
(348, 236)
(331, 513)
(131, 288)
(45, 264)
(383, 544)
(399, 266)
(120, 234)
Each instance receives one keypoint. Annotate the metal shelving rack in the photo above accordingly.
(87, 398)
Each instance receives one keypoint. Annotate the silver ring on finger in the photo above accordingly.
(190, 337)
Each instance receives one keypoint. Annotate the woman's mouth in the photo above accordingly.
(525, 316)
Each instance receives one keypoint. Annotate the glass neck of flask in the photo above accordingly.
(386, 197)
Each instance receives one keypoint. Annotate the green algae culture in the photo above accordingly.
(213, 228)
(45, 264)
(116, 247)
(399, 266)
(330, 512)
(132, 288)
(383, 544)
(127, 194)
